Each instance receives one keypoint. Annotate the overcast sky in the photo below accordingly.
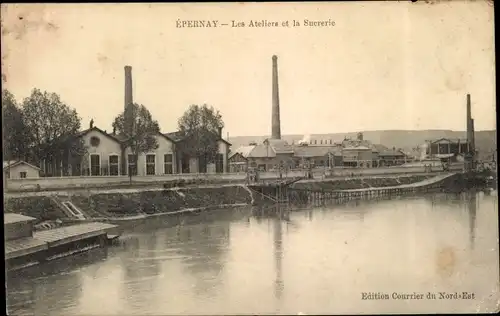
(384, 65)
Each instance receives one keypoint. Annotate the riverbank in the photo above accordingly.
(134, 204)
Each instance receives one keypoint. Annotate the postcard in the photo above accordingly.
(293, 158)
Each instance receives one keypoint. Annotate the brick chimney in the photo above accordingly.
(128, 86)
(220, 131)
(276, 128)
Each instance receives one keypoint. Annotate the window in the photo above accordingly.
(95, 165)
(22, 174)
(219, 163)
(132, 167)
(113, 165)
(167, 164)
(150, 164)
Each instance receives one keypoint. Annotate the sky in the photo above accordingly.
(384, 65)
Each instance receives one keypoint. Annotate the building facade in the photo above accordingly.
(450, 150)
(106, 155)
(237, 162)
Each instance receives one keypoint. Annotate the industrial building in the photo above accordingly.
(275, 153)
(106, 154)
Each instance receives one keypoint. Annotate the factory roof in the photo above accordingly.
(379, 148)
(357, 148)
(316, 151)
(261, 151)
(391, 152)
(280, 146)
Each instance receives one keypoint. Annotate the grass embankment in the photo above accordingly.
(155, 202)
(39, 207)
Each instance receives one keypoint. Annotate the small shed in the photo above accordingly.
(20, 170)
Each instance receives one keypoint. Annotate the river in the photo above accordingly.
(317, 261)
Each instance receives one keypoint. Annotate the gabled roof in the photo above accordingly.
(280, 146)
(68, 138)
(13, 163)
(85, 132)
(232, 154)
(245, 150)
(262, 151)
(449, 140)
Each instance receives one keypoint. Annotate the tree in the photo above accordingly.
(200, 128)
(52, 127)
(138, 130)
(15, 136)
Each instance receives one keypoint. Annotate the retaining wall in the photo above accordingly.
(57, 183)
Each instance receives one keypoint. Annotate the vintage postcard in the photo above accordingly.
(250, 158)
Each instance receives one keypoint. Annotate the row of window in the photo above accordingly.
(95, 164)
(321, 142)
(449, 148)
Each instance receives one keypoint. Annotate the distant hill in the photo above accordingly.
(406, 140)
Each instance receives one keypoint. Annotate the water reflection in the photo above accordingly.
(26, 287)
(203, 248)
(238, 262)
(278, 253)
(472, 209)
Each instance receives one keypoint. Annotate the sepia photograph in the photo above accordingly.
(243, 158)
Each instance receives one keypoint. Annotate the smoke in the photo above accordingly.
(305, 140)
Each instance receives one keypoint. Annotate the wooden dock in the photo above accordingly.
(55, 243)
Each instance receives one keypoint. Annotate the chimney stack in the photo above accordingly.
(220, 131)
(473, 137)
(276, 128)
(128, 86)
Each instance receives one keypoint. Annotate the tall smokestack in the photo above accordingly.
(128, 86)
(472, 140)
(469, 121)
(276, 128)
